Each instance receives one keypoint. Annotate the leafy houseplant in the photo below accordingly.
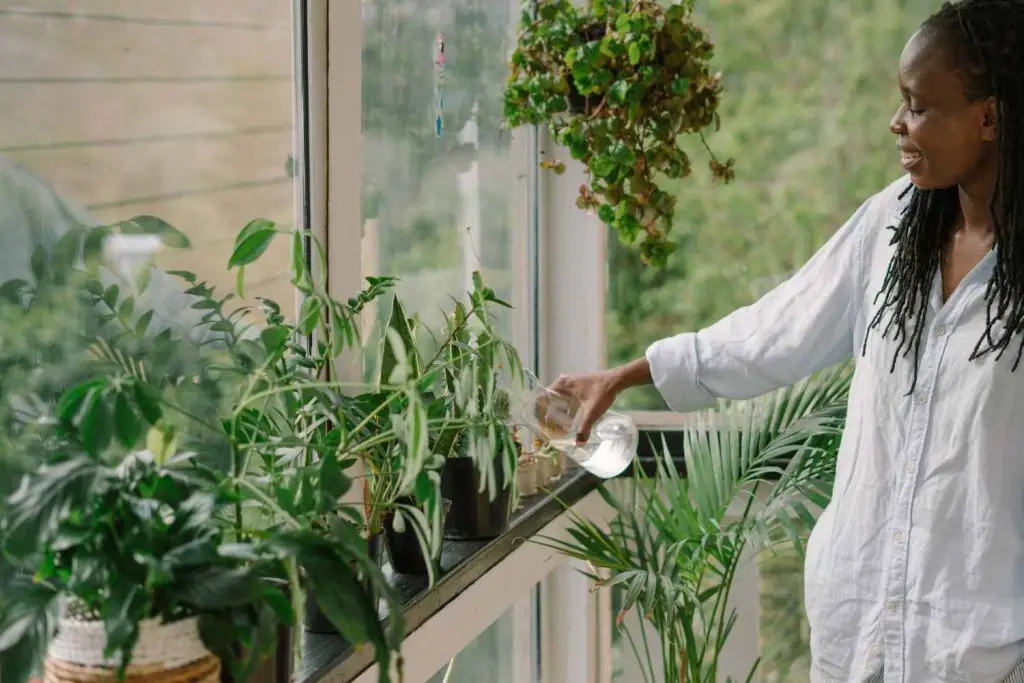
(617, 83)
(307, 426)
(480, 461)
(674, 545)
(458, 371)
(251, 410)
(140, 542)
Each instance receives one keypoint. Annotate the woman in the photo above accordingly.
(915, 571)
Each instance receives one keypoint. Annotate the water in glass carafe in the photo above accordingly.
(555, 419)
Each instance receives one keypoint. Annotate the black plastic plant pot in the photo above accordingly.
(473, 516)
(314, 620)
(404, 547)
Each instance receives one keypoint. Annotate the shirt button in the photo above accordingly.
(891, 606)
(900, 536)
(921, 398)
(940, 331)
(876, 652)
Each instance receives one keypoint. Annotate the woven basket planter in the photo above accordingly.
(165, 653)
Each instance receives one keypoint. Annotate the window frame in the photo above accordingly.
(333, 142)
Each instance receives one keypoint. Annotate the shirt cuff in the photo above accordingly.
(675, 371)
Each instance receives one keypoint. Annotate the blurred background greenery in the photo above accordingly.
(810, 88)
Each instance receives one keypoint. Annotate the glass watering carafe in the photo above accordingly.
(555, 419)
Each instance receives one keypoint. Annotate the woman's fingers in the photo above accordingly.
(589, 418)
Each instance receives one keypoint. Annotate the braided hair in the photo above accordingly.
(984, 43)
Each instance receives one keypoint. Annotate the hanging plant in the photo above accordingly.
(618, 82)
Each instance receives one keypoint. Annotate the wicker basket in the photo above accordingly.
(165, 653)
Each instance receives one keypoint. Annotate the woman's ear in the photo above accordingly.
(990, 121)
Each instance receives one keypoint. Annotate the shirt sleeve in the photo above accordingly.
(803, 325)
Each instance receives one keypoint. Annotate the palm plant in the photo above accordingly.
(754, 470)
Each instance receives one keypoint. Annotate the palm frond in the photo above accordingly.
(753, 471)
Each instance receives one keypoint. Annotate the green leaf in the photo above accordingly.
(96, 428)
(333, 482)
(127, 308)
(275, 337)
(309, 314)
(148, 400)
(11, 633)
(343, 599)
(185, 275)
(14, 291)
(603, 166)
(425, 486)
(389, 359)
(619, 91)
(238, 551)
(71, 401)
(126, 422)
(169, 235)
(279, 604)
(634, 54)
(213, 588)
(252, 242)
(65, 252)
(300, 272)
(122, 615)
(40, 264)
(111, 296)
(142, 325)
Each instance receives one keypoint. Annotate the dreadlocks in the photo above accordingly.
(984, 42)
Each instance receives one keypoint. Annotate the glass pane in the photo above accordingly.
(490, 657)
(440, 180)
(180, 110)
(805, 113)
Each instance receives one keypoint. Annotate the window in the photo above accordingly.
(181, 110)
(443, 184)
(502, 653)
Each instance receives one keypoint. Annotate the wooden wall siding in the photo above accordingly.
(180, 109)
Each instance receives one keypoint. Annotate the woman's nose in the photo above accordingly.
(897, 125)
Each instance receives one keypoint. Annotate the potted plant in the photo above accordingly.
(250, 406)
(146, 579)
(481, 459)
(470, 447)
(674, 546)
(297, 431)
(618, 82)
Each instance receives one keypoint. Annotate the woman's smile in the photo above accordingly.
(909, 158)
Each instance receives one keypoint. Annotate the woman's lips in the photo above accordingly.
(909, 158)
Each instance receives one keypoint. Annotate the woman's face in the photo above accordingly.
(944, 139)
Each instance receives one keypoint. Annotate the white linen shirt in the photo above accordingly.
(916, 567)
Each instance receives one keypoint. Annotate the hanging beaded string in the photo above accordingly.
(439, 85)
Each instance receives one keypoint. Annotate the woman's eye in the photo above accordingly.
(915, 112)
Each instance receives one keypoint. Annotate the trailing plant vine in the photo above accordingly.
(617, 83)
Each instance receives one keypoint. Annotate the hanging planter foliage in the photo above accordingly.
(618, 82)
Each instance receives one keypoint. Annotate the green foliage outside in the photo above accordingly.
(809, 89)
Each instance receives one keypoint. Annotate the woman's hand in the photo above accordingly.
(596, 391)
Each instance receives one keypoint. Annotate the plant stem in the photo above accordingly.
(269, 502)
(636, 653)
